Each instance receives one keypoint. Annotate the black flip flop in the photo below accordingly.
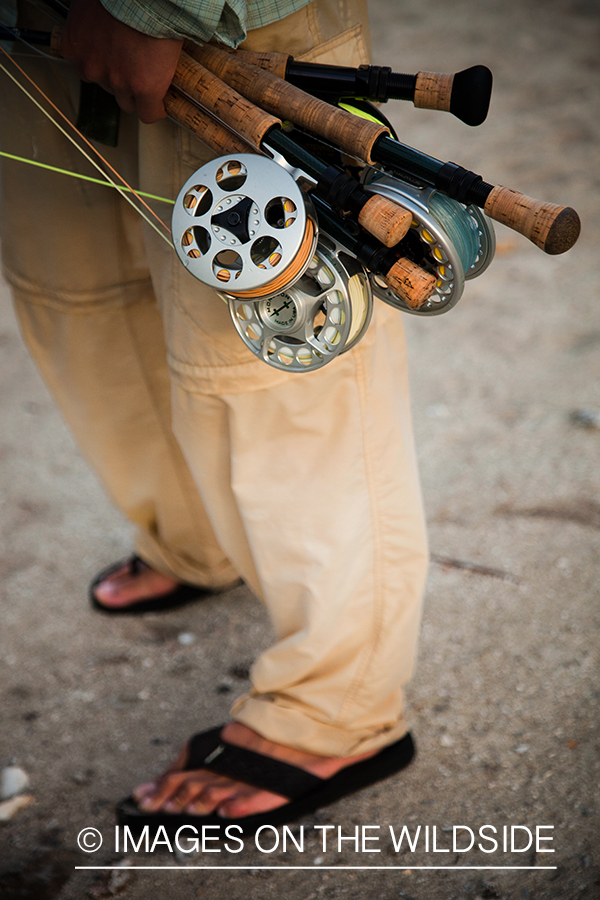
(179, 596)
(306, 792)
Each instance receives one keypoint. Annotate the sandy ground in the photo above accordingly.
(504, 699)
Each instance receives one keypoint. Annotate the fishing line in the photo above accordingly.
(120, 188)
(16, 35)
(34, 162)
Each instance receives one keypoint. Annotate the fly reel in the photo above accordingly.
(325, 313)
(452, 241)
(242, 225)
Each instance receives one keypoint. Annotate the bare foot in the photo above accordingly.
(129, 584)
(201, 792)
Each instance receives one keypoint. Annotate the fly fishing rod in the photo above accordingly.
(465, 94)
(381, 217)
(413, 284)
(550, 227)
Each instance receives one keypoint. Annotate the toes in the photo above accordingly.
(198, 796)
(247, 801)
(111, 585)
(164, 790)
(209, 799)
(127, 585)
(186, 794)
(199, 792)
(144, 790)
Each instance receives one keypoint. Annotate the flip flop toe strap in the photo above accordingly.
(209, 751)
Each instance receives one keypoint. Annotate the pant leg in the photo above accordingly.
(309, 479)
(317, 504)
(74, 255)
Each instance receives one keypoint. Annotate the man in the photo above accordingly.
(305, 484)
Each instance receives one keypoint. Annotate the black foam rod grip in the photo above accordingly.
(471, 93)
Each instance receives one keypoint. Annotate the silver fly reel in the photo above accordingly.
(325, 313)
(452, 241)
(241, 225)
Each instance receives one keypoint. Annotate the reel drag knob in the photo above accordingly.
(241, 224)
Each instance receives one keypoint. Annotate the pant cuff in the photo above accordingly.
(293, 728)
(162, 560)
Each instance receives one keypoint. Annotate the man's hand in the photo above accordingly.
(136, 68)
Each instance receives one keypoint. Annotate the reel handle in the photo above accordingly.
(412, 283)
(554, 229)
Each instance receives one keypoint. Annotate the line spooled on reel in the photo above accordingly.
(242, 226)
(452, 241)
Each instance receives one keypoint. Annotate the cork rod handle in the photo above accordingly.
(193, 119)
(465, 94)
(433, 90)
(354, 135)
(275, 63)
(218, 98)
(385, 220)
(552, 228)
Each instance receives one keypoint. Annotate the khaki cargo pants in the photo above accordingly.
(305, 485)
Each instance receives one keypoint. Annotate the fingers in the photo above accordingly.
(125, 99)
(136, 68)
(149, 107)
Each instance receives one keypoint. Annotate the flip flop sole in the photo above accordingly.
(353, 778)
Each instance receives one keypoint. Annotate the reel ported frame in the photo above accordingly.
(242, 225)
(325, 313)
(452, 241)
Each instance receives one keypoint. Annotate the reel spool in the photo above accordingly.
(452, 241)
(325, 313)
(242, 225)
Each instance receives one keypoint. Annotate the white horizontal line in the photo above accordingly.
(320, 868)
